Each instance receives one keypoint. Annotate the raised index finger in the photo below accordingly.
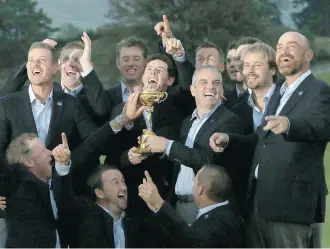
(148, 177)
(64, 140)
(166, 23)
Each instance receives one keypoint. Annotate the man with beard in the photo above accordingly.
(287, 186)
(260, 74)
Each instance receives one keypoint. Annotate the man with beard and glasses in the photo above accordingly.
(287, 186)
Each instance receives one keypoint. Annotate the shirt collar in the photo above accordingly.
(289, 89)
(238, 91)
(124, 88)
(33, 96)
(205, 115)
(209, 208)
(267, 97)
(109, 213)
(75, 90)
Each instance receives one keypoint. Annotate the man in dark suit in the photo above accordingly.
(193, 150)
(287, 192)
(105, 223)
(34, 208)
(47, 112)
(217, 224)
(166, 117)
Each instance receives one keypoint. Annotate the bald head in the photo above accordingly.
(295, 37)
(293, 54)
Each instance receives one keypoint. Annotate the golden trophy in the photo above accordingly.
(149, 99)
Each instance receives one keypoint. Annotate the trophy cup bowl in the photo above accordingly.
(149, 99)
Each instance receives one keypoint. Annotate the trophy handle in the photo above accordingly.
(162, 96)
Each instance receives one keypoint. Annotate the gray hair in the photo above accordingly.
(19, 148)
(209, 67)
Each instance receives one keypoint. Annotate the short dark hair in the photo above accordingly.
(171, 70)
(216, 181)
(208, 44)
(95, 180)
(248, 40)
(132, 41)
(232, 45)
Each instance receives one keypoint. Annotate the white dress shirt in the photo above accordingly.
(286, 91)
(61, 170)
(42, 113)
(209, 208)
(118, 230)
(256, 112)
(186, 176)
(125, 92)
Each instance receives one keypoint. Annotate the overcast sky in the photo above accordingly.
(85, 14)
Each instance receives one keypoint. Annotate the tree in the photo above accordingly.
(68, 31)
(194, 21)
(315, 16)
(21, 24)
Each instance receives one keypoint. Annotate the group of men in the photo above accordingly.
(233, 164)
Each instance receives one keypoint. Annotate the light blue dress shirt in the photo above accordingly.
(42, 113)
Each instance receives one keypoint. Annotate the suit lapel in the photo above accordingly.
(116, 95)
(296, 96)
(57, 107)
(218, 113)
(26, 112)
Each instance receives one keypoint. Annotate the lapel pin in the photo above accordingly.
(300, 93)
(59, 103)
(206, 216)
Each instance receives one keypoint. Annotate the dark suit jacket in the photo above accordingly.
(218, 228)
(291, 184)
(96, 231)
(222, 120)
(165, 120)
(30, 218)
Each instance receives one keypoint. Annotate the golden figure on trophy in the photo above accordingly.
(149, 99)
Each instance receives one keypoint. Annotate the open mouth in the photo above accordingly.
(131, 70)
(209, 95)
(36, 71)
(121, 196)
(71, 73)
(152, 82)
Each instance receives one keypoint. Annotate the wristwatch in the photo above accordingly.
(119, 120)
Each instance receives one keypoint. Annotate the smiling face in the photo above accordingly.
(155, 77)
(293, 54)
(41, 67)
(114, 191)
(256, 70)
(207, 88)
(230, 65)
(131, 63)
(70, 67)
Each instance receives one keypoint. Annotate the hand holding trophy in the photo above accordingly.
(148, 99)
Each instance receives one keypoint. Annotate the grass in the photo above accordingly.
(326, 225)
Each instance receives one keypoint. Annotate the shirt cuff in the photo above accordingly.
(287, 132)
(61, 169)
(129, 126)
(84, 74)
(168, 146)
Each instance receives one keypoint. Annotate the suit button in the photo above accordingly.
(264, 146)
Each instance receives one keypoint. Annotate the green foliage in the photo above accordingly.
(21, 24)
(315, 15)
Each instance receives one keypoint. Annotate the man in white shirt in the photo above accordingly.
(216, 224)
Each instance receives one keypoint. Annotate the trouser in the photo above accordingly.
(3, 232)
(187, 211)
(316, 238)
(263, 233)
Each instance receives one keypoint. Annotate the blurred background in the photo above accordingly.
(108, 21)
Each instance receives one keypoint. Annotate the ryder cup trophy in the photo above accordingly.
(149, 99)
